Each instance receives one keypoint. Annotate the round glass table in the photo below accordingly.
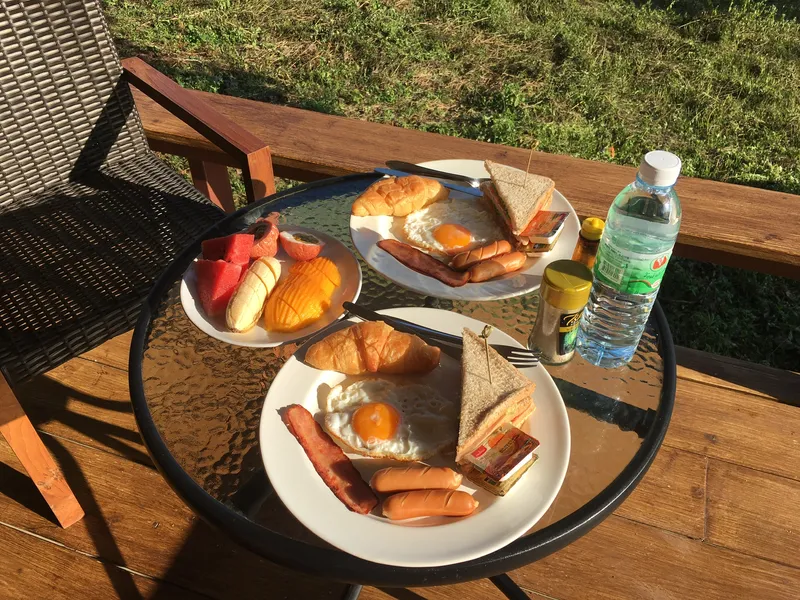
(198, 402)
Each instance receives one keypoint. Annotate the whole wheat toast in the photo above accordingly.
(485, 404)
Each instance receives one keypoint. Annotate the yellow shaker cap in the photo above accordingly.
(592, 228)
(567, 284)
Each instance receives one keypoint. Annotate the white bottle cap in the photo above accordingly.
(660, 168)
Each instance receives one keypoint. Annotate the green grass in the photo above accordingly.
(715, 81)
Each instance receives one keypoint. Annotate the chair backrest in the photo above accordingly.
(63, 105)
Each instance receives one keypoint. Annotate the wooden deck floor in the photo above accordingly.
(716, 517)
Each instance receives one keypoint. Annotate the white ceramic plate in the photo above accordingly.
(425, 542)
(368, 231)
(258, 337)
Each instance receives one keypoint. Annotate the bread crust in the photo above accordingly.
(398, 196)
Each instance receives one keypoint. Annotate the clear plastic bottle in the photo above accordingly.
(640, 232)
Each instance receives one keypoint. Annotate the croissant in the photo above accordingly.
(398, 196)
(303, 296)
(373, 347)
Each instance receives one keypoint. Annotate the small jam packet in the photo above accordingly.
(545, 227)
(537, 249)
(498, 462)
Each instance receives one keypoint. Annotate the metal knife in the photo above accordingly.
(453, 186)
(403, 325)
(400, 165)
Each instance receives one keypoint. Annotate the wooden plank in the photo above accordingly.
(739, 375)
(736, 427)
(282, 167)
(133, 519)
(33, 568)
(618, 559)
(212, 180)
(729, 220)
(753, 512)
(16, 428)
(113, 353)
(86, 402)
(671, 495)
(623, 559)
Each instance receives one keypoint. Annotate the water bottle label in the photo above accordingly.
(630, 272)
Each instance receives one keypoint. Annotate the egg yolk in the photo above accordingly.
(376, 420)
(452, 236)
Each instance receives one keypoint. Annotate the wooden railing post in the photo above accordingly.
(212, 180)
(258, 176)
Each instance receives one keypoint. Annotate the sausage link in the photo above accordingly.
(463, 261)
(499, 265)
(417, 477)
(429, 503)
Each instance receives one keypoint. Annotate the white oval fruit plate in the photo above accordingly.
(368, 231)
(258, 337)
(429, 541)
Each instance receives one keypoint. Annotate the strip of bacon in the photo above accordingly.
(330, 461)
(423, 263)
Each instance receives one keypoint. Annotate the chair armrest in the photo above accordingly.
(252, 154)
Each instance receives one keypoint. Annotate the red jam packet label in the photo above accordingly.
(505, 450)
(545, 225)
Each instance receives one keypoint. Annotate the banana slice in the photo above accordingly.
(247, 303)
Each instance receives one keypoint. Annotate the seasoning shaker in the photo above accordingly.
(589, 241)
(563, 294)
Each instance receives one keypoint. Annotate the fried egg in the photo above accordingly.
(381, 419)
(451, 226)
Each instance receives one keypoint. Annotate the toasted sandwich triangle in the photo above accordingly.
(522, 196)
(484, 405)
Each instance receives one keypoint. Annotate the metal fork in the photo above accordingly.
(450, 344)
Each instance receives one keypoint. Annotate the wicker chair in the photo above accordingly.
(89, 217)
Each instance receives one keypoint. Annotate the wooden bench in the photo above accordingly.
(726, 224)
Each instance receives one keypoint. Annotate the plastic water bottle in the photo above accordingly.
(640, 232)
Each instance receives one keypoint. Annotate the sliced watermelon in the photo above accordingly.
(214, 249)
(216, 280)
(232, 248)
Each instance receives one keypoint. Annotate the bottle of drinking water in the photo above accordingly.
(637, 242)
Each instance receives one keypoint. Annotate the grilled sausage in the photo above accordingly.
(499, 265)
(429, 503)
(418, 477)
(463, 261)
